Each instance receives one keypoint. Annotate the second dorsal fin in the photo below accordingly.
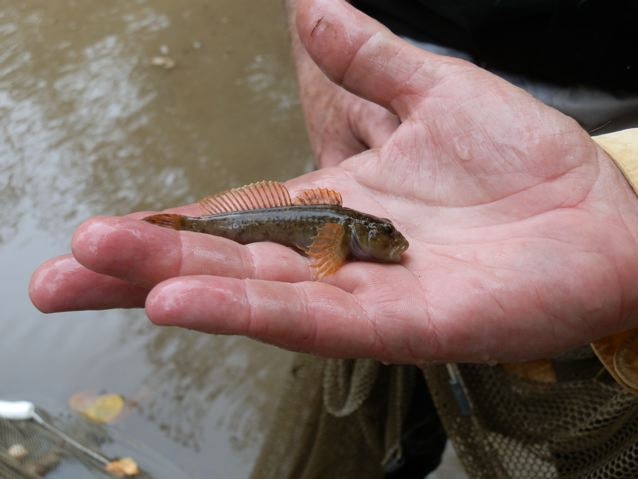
(264, 194)
(318, 196)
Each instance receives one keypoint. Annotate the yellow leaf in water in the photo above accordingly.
(541, 370)
(101, 409)
(125, 467)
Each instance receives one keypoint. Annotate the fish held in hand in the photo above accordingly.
(315, 222)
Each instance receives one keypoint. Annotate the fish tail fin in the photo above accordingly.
(167, 220)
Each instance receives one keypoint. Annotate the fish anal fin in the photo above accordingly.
(255, 196)
(328, 250)
(318, 196)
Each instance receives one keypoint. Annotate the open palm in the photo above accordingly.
(522, 232)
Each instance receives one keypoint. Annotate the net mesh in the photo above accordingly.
(30, 451)
(336, 419)
(565, 418)
(570, 427)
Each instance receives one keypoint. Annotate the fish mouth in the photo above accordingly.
(398, 250)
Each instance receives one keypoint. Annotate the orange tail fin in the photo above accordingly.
(166, 220)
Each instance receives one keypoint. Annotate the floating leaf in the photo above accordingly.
(626, 362)
(125, 467)
(18, 451)
(101, 409)
(541, 370)
(616, 352)
(163, 61)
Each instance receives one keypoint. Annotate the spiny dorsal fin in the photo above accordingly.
(318, 196)
(256, 196)
(328, 250)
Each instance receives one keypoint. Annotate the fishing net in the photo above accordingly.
(28, 450)
(564, 418)
(571, 421)
(337, 418)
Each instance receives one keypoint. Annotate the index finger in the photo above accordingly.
(145, 254)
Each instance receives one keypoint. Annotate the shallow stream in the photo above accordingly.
(112, 107)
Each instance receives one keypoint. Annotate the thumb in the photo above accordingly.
(364, 57)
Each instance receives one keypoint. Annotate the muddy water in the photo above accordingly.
(92, 123)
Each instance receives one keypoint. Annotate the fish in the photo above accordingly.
(314, 222)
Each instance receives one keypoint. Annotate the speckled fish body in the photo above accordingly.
(315, 223)
(297, 226)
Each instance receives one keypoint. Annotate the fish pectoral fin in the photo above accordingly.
(318, 196)
(328, 250)
(256, 196)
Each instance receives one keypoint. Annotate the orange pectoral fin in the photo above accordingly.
(328, 250)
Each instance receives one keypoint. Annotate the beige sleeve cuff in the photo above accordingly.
(619, 353)
(622, 147)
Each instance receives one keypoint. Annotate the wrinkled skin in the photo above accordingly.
(522, 232)
(340, 124)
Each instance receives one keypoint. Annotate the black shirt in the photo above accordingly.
(566, 42)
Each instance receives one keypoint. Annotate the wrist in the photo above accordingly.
(620, 151)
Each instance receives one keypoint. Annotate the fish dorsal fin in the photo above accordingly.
(256, 196)
(328, 250)
(318, 196)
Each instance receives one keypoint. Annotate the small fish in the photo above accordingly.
(314, 222)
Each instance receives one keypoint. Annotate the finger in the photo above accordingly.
(145, 254)
(372, 124)
(334, 148)
(193, 209)
(62, 284)
(309, 316)
(362, 55)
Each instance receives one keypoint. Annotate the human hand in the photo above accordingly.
(339, 123)
(522, 232)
